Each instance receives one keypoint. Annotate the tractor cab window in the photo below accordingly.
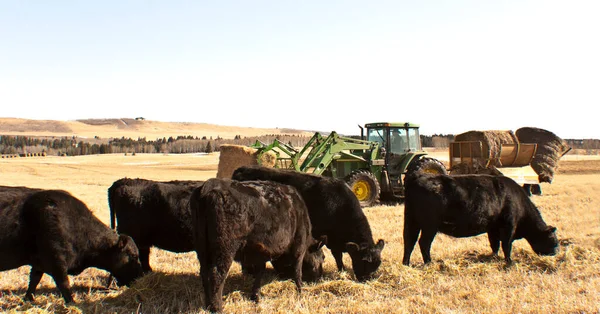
(414, 139)
(376, 135)
(399, 142)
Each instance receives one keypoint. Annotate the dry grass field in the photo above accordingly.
(463, 278)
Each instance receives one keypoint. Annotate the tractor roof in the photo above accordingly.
(391, 124)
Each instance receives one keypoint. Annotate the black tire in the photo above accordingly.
(365, 186)
(427, 165)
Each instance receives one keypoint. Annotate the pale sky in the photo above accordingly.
(450, 66)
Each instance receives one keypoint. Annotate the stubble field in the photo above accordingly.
(464, 277)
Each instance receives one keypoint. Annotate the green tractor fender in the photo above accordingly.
(407, 159)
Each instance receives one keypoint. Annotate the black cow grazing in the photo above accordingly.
(469, 205)
(153, 214)
(334, 211)
(251, 222)
(156, 213)
(57, 234)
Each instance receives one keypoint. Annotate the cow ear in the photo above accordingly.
(322, 241)
(551, 229)
(123, 241)
(318, 244)
(380, 244)
(352, 247)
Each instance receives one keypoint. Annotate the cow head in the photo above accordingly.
(365, 259)
(124, 261)
(546, 242)
(312, 265)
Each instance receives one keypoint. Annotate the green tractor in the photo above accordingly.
(374, 166)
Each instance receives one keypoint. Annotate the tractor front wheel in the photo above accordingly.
(427, 165)
(365, 186)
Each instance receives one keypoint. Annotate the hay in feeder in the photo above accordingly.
(491, 142)
(235, 156)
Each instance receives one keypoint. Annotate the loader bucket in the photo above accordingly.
(516, 155)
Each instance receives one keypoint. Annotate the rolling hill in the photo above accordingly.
(129, 128)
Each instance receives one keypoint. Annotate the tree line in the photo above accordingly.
(74, 146)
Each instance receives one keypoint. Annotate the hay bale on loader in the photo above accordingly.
(550, 148)
(491, 142)
(235, 156)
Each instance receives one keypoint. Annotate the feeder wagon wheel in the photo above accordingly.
(365, 186)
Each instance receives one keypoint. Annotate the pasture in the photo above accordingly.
(463, 277)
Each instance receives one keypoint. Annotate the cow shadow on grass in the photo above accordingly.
(48, 298)
(156, 292)
(159, 292)
(475, 257)
(521, 259)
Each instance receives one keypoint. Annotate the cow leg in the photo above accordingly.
(259, 270)
(339, 261)
(298, 270)
(215, 274)
(527, 188)
(536, 189)
(427, 236)
(507, 237)
(494, 241)
(145, 259)
(204, 275)
(61, 278)
(34, 279)
(411, 234)
(507, 248)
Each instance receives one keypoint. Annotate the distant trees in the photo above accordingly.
(73, 146)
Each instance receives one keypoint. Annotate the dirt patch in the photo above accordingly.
(579, 167)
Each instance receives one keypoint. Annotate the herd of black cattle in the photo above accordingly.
(260, 215)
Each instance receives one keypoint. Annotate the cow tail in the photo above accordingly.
(111, 205)
(200, 216)
(211, 203)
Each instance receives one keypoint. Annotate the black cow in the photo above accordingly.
(334, 211)
(156, 213)
(469, 205)
(251, 222)
(57, 234)
(153, 214)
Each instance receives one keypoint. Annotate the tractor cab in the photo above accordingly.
(396, 138)
(401, 143)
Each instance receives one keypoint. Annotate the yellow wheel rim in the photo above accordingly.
(362, 190)
(432, 171)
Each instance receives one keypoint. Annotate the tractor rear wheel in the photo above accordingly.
(427, 165)
(365, 186)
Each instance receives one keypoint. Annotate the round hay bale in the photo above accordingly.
(234, 156)
(550, 148)
(491, 142)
